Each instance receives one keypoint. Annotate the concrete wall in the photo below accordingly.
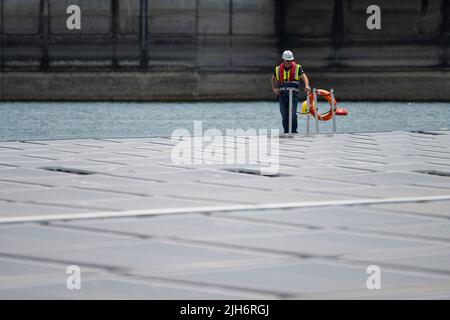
(235, 43)
(414, 33)
(120, 86)
(190, 33)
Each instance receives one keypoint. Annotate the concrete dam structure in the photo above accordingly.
(221, 49)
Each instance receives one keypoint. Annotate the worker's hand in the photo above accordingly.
(307, 89)
(276, 91)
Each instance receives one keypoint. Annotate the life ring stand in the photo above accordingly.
(322, 116)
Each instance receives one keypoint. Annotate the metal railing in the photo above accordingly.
(316, 116)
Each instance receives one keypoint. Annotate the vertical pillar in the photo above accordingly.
(280, 23)
(2, 39)
(337, 31)
(44, 33)
(424, 7)
(230, 30)
(114, 31)
(143, 33)
(445, 32)
(197, 14)
(2, 43)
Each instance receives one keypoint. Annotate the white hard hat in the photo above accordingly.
(287, 55)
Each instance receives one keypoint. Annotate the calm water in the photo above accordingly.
(57, 120)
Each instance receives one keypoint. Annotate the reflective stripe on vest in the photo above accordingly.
(297, 70)
(287, 89)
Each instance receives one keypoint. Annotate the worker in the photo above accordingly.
(287, 76)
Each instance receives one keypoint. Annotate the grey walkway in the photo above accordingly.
(141, 227)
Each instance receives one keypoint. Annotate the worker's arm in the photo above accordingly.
(306, 81)
(274, 83)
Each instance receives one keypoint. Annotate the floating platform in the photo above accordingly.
(141, 227)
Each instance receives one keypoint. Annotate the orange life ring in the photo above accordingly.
(328, 115)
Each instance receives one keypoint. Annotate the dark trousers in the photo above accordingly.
(283, 99)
